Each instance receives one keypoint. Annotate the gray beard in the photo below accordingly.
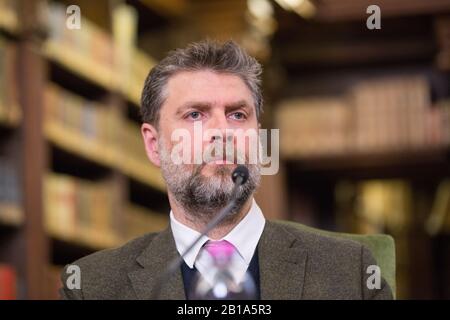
(203, 197)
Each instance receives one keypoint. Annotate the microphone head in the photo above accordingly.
(240, 171)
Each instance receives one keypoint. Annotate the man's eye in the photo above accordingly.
(238, 116)
(195, 115)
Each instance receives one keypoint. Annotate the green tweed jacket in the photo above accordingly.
(294, 264)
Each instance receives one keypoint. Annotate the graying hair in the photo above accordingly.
(226, 57)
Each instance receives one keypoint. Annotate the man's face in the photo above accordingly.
(218, 101)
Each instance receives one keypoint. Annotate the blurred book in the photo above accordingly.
(314, 126)
(389, 114)
(81, 211)
(10, 194)
(110, 60)
(81, 125)
(90, 40)
(88, 51)
(10, 113)
(8, 282)
(8, 15)
(98, 132)
(133, 65)
(87, 212)
(140, 220)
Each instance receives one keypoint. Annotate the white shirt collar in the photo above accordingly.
(244, 236)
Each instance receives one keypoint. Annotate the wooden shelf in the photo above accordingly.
(9, 22)
(409, 163)
(11, 215)
(11, 120)
(72, 141)
(104, 155)
(89, 239)
(132, 94)
(382, 158)
(102, 76)
(81, 65)
(143, 172)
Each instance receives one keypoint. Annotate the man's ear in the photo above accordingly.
(150, 136)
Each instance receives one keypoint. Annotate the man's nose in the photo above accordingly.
(217, 128)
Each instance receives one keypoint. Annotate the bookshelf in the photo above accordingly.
(71, 145)
(364, 128)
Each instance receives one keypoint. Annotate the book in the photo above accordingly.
(380, 115)
(313, 126)
(8, 15)
(80, 211)
(10, 113)
(81, 125)
(10, 194)
(8, 282)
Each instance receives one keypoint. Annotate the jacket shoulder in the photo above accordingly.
(105, 270)
(317, 242)
(337, 267)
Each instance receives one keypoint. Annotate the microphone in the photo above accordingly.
(241, 172)
(239, 176)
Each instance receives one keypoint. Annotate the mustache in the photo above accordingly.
(229, 153)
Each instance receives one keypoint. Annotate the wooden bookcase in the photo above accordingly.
(37, 147)
(332, 55)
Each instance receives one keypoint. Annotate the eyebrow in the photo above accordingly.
(202, 106)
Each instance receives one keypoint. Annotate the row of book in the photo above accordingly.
(132, 64)
(98, 132)
(88, 40)
(92, 214)
(8, 15)
(386, 114)
(10, 194)
(92, 120)
(80, 210)
(118, 63)
(8, 282)
(10, 112)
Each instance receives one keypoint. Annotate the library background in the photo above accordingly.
(364, 118)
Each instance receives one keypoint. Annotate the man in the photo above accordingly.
(218, 86)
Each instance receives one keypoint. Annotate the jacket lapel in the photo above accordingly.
(282, 263)
(154, 261)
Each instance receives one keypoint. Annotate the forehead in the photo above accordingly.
(206, 86)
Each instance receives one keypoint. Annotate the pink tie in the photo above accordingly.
(219, 249)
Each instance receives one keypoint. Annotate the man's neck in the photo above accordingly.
(218, 232)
